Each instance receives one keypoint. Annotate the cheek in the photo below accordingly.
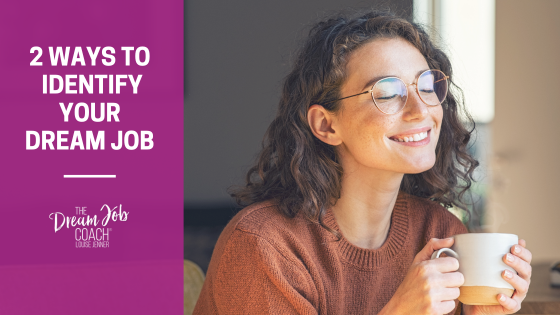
(437, 113)
(438, 118)
(364, 138)
(368, 128)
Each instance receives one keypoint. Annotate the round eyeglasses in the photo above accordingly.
(390, 94)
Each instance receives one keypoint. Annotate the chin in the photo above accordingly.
(417, 167)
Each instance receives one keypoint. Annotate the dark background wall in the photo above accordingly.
(236, 55)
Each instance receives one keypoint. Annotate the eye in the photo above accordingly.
(427, 90)
(386, 98)
(388, 89)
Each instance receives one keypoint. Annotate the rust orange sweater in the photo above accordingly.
(265, 263)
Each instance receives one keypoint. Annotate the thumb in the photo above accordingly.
(433, 245)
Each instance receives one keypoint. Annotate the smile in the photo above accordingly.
(416, 139)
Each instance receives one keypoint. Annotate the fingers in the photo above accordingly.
(520, 285)
(522, 252)
(522, 267)
(519, 259)
(452, 280)
(510, 305)
(433, 245)
(445, 264)
(446, 307)
(442, 272)
(445, 294)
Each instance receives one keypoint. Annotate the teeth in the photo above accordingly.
(415, 137)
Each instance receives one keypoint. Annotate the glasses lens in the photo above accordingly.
(432, 87)
(389, 95)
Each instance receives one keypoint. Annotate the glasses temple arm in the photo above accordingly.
(347, 97)
(445, 78)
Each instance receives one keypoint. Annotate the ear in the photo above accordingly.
(323, 125)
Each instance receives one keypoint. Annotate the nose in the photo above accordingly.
(415, 108)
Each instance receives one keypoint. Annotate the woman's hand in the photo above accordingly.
(431, 286)
(519, 260)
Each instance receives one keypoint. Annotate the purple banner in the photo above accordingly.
(92, 157)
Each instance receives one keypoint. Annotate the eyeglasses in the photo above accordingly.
(390, 94)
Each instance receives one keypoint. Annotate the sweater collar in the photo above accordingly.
(373, 258)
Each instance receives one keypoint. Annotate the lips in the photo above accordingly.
(412, 138)
(409, 141)
(411, 132)
(412, 135)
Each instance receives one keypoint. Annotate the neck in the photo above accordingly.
(364, 210)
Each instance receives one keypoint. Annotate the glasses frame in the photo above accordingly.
(445, 77)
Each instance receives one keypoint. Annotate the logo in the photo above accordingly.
(89, 232)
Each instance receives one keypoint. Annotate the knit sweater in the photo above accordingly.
(266, 263)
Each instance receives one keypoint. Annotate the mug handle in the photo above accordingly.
(448, 251)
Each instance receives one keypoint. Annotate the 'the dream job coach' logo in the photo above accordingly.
(87, 232)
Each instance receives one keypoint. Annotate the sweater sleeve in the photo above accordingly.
(253, 277)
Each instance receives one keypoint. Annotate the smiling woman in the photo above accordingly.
(344, 207)
(362, 133)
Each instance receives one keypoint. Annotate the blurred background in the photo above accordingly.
(505, 57)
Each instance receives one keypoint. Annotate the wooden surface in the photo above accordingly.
(541, 298)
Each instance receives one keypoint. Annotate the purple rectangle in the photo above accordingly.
(132, 262)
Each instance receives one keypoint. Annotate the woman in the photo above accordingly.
(344, 205)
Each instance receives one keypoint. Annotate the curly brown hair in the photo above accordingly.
(301, 172)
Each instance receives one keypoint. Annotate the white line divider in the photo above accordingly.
(90, 176)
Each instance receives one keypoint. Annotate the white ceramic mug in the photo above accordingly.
(480, 258)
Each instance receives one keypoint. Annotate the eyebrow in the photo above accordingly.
(371, 82)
